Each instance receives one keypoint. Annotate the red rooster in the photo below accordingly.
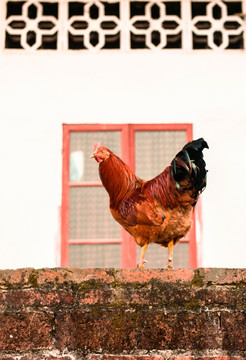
(159, 210)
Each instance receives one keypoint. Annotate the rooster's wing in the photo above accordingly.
(137, 210)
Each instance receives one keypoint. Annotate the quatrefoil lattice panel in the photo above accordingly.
(218, 25)
(32, 25)
(124, 25)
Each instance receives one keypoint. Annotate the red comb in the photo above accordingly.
(96, 146)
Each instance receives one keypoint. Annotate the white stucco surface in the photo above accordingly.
(41, 91)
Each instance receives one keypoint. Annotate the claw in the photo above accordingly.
(169, 267)
(142, 266)
(170, 264)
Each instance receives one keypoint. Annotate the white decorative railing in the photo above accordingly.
(124, 25)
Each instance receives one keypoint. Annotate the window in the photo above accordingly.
(90, 236)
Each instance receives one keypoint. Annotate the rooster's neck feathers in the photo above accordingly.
(117, 178)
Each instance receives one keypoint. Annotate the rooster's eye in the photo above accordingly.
(102, 151)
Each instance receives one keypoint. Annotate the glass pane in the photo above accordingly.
(155, 150)
(82, 168)
(105, 255)
(89, 214)
(157, 256)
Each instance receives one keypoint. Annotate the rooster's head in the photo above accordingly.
(100, 153)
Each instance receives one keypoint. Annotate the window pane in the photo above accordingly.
(155, 150)
(105, 255)
(89, 214)
(157, 256)
(82, 168)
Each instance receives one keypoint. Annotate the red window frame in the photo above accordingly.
(128, 246)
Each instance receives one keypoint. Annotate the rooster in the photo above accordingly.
(159, 210)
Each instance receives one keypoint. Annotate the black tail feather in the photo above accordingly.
(189, 163)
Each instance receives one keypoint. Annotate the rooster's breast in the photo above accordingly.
(177, 223)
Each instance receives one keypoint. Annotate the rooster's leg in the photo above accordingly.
(170, 255)
(141, 260)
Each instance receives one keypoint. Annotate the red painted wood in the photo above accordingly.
(128, 247)
(95, 127)
(185, 240)
(189, 132)
(93, 241)
(192, 234)
(162, 127)
(65, 197)
(199, 220)
(85, 184)
(193, 246)
(124, 144)
(131, 137)
(128, 251)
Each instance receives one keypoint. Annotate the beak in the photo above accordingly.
(93, 156)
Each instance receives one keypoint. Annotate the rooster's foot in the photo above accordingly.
(170, 264)
(141, 266)
(169, 267)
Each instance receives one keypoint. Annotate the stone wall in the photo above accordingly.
(108, 314)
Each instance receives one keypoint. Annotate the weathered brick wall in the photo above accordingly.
(107, 314)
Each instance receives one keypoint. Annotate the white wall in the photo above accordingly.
(39, 92)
